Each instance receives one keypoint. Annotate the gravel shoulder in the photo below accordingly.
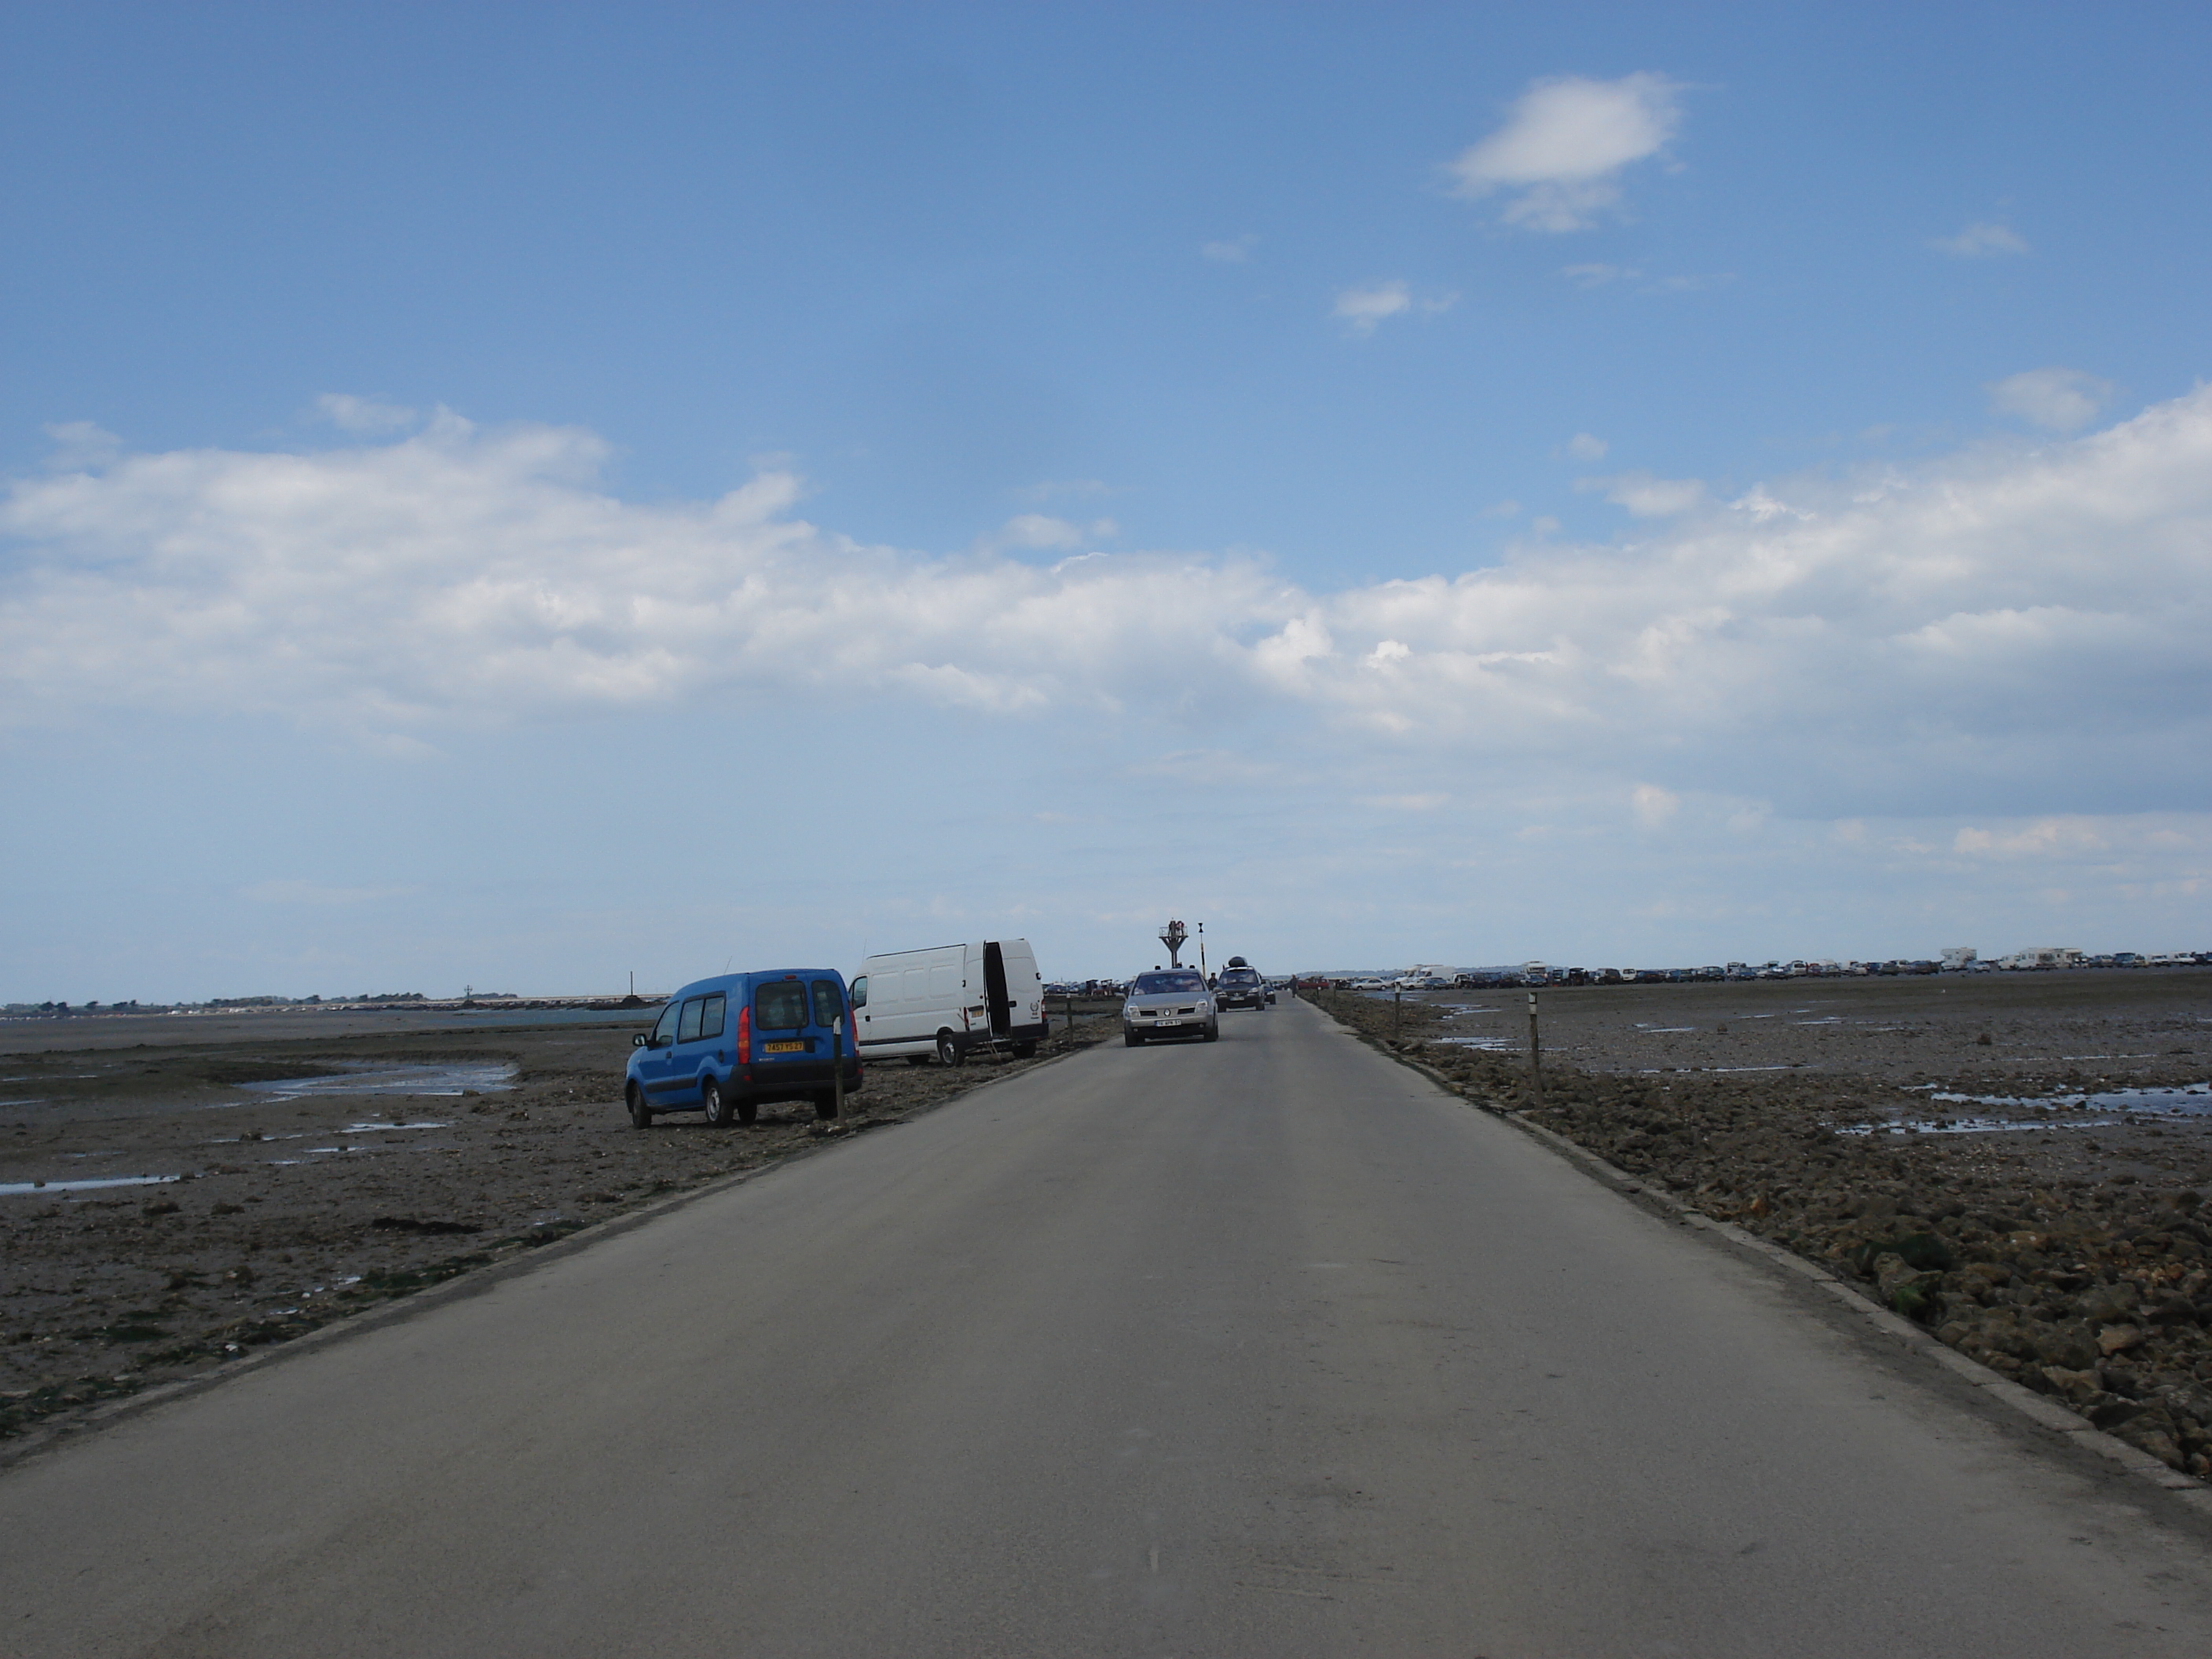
(314, 1170)
(2017, 1163)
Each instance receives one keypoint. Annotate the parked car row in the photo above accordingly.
(727, 1045)
(1960, 960)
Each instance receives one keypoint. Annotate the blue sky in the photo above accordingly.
(511, 496)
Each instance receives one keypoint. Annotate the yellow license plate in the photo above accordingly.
(783, 1047)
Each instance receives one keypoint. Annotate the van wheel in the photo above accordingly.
(641, 1115)
(948, 1051)
(825, 1106)
(1026, 1051)
(748, 1108)
(1213, 1033)
(718, 1105)
(1131, 1040)
(917, 1059)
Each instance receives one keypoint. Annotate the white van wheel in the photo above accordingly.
(948, 1051)
(917, 1059)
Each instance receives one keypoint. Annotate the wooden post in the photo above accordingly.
(1535, 1058)
(1397, 1011)
(837, 1068)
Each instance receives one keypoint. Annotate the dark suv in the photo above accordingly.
(1239, 986)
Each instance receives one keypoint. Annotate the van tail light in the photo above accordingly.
(745, 1035)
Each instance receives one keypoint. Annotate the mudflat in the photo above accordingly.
(178, 1193)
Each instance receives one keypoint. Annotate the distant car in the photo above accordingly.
(1170, 1002)
(725, 1045)
(1240, 986)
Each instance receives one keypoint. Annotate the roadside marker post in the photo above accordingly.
(837, 1067)
(1535, 1058)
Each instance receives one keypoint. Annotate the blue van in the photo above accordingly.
(724, 1045)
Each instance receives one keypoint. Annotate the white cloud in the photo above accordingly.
(1654, 807)
(1584, 447)
(1760, 504)
(1234, 251)
(1563, 145)
(2057, 399)
(1646, 496)
(1981, 240)
(353, 414)
(79, 445)
(1041, 532)
(1360, 309)
(2052, 837)
(1603, 276)
(2030, 621)
(1598, 276)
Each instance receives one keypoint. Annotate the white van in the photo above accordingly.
(950, 999)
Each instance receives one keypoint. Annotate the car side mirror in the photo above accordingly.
(637, 1040)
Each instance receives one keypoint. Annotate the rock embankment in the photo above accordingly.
(2093, 1289)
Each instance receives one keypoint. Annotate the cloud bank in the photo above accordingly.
(2016, 624)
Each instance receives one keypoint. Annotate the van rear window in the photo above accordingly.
(779, 1005)
(828, 1002)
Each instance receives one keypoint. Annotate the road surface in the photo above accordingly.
(1264, 1347)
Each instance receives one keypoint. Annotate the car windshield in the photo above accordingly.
(1239, 976)
(1168, 985)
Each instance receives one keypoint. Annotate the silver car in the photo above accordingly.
(1169, 1002)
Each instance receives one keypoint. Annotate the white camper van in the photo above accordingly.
(950, 999)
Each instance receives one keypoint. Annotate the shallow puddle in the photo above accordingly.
(17, 1188)
(2191, 1100)
(479, 1077)
(1977, 1126)
(379, 1128)
(2102, 1108)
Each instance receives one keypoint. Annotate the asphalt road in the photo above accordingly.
(1263, 1348)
